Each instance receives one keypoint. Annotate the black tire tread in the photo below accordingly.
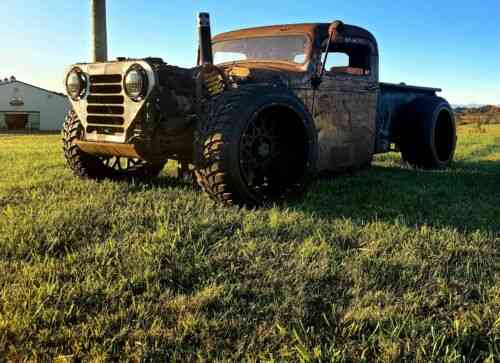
(210, 146)
(216, 142)
(415, 149)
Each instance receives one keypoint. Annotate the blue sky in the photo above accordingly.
(454, 45)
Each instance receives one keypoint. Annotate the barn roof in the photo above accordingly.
(30, 85)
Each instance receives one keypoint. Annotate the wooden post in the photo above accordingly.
(99, 33)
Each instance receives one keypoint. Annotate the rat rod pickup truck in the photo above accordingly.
(265, 110)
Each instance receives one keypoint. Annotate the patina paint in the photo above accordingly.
(345, 116)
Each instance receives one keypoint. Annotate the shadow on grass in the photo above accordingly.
(465, 197)
(165, 182)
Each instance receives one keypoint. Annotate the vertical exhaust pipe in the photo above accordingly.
(99, 33)
(205, 40)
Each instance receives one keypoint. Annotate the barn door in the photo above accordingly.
(16, 121)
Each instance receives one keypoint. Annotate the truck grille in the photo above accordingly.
(105, 110)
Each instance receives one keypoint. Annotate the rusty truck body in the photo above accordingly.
(265, 110)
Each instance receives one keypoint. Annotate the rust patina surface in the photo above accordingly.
(264, 110)
(344, 105)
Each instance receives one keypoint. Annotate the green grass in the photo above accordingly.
(387, 264)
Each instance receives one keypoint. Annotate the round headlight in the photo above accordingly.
(136, 83)
(76, 84)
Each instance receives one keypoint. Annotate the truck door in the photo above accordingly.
(346, 106)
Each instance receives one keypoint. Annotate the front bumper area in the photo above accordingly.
(111, 149)
(106, 112)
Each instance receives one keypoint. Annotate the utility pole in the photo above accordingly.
(99, 32)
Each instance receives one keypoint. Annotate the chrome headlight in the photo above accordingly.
(76, 84)
(136, 83)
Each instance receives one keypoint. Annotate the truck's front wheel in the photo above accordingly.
(254, 146)
(429, 137)
(100, 167)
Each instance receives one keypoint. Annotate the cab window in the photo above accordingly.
(285, 48)
(348, 59)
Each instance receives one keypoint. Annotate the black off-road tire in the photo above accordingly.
(224, 139)
(429, 135)
(89, 166)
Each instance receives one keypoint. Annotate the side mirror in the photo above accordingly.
(335, 27)
(333, 30)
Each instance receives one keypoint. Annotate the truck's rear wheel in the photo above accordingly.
(100, 167)
(429, 137)
(254, 146)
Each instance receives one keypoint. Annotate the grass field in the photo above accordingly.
(388, 264)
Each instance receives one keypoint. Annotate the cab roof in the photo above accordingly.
(267, 31)
(317, 32)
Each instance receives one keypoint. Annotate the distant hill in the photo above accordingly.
(487, 114)
(468, 105)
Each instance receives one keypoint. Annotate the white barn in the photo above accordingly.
(27, 107)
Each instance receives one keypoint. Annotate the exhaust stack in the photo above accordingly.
(205, 39)
(99, 33)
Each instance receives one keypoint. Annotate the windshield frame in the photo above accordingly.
(307, 51)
